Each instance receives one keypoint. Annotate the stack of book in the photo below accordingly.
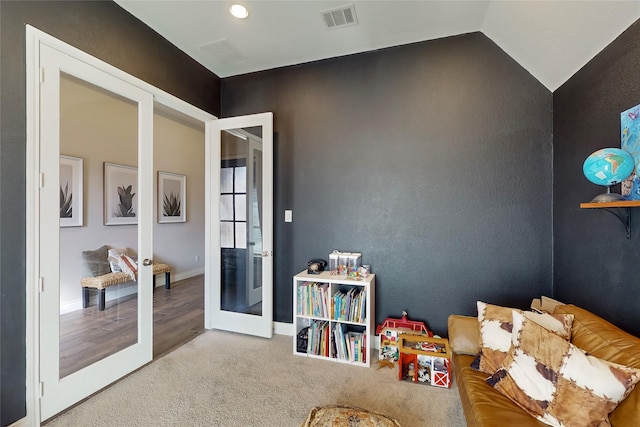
(318, 343)
(350, 305)
(348, 345)
(313, 299)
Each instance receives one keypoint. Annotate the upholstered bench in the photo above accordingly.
(100, 283)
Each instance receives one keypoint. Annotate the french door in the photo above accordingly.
(95, 158)
(240, 224)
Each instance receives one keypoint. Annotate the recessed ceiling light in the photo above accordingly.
(239, 11)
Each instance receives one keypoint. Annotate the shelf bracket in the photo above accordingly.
(618, 205)
(624, 219)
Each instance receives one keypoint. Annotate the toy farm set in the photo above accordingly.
(422, 357)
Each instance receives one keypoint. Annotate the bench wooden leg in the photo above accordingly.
(167, 280)
(85, 297)
(101, 299)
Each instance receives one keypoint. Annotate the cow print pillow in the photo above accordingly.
(557, 382)
(496, 323)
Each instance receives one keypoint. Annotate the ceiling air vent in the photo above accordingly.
(344, 16)
(222, 51)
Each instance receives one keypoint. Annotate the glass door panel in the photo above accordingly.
(240, 239)
(254, 223)
(101, 318)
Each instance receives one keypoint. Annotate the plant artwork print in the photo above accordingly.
(171, 204)
(630, 142)
(66, 200)
(125, 207)
(120, 189)
(172, 190)
(70, 181)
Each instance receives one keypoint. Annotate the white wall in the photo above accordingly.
(101, 128)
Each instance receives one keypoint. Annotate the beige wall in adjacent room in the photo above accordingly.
(99, 128)
(102, 128)
(179, 149)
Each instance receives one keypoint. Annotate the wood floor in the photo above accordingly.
(89, 335)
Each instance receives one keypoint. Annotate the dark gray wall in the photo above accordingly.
(102, 29)
(432, 159)
(595, 266)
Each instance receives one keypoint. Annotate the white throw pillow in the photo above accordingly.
(114, 258)
(128, 265)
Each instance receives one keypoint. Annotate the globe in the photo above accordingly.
(608, 166)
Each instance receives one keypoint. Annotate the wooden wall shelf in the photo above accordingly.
(620, 204)
(624, 217)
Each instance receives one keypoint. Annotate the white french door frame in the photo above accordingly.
(58, 393)
(227, 320)
(34, 39)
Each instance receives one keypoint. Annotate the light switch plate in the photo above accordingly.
(288, 215)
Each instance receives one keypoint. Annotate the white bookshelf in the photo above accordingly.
(317, 300)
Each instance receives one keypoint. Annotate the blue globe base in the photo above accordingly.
(608, 197)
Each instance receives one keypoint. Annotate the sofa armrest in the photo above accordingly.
(464, 335)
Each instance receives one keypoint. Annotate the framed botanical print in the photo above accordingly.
(120, 189)
(172, 197)
(71, 191)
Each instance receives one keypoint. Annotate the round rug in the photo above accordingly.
(347, 416)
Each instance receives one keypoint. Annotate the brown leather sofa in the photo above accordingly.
(485, 406)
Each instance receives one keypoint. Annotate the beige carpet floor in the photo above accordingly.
(227, 379)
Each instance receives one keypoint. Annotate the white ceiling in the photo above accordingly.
(551, 39)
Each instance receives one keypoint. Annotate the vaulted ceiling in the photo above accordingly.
(550, 39)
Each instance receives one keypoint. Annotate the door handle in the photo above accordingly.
(147, 261)
(265, 254)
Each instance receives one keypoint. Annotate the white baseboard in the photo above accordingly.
(71, 306)
(179, 276)
(129, 289)
(281, 328)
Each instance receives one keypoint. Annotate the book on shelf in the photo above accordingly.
(318, 343)
(348, 345)
(357, 346)
(343, 350)
(312, 299)
(349, 306)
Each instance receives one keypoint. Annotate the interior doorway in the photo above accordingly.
(88, 334)
(178, 230)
